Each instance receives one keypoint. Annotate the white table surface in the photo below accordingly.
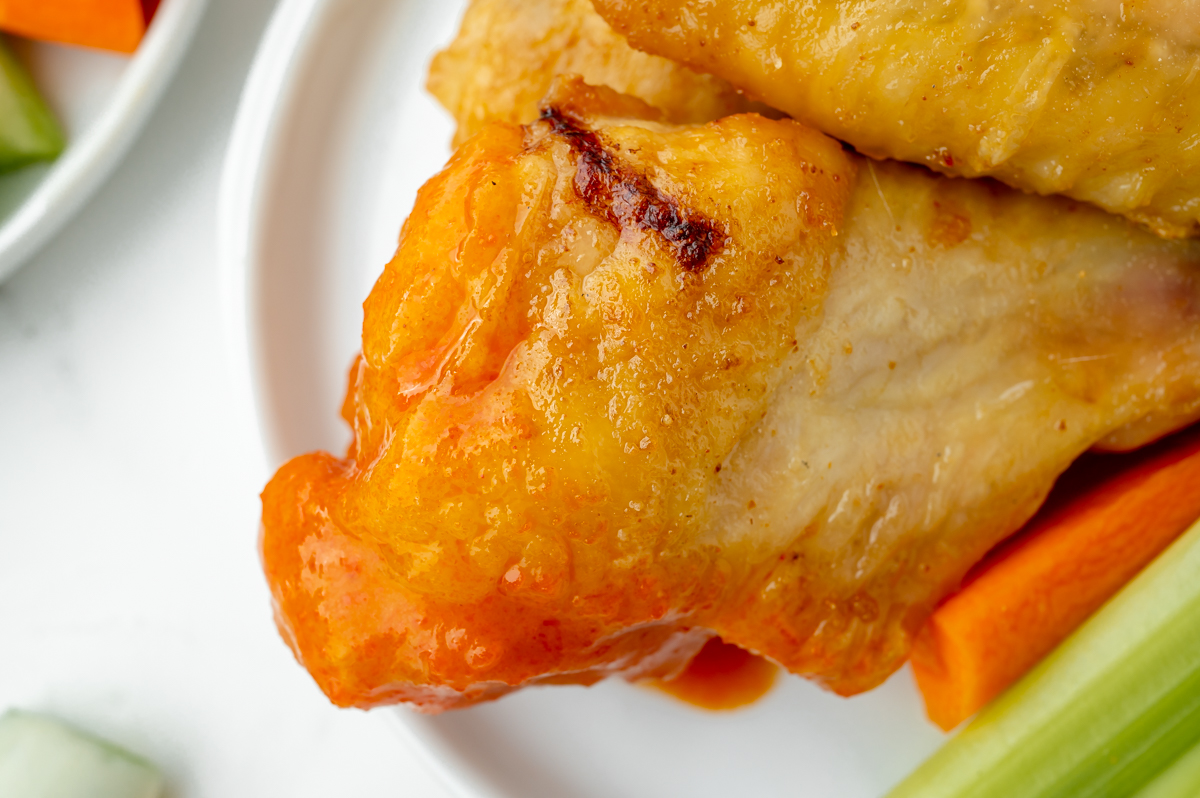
(131, 600)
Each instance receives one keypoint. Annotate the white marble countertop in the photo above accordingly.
(131, 601)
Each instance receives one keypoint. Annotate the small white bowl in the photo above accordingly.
(102, 100)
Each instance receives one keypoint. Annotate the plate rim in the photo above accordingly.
(89, 160)
(247, 169)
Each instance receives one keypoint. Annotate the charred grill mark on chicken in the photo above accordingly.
(629, 199)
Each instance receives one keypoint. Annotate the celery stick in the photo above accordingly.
(1107, 711)
(28, 131)
(43, 758)
(1181, 780)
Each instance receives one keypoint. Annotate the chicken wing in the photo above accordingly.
(508, 51)
(626, 385)
(1095, 99)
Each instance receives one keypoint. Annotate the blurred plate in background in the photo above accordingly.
(102, 100)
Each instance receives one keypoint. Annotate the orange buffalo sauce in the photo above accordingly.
(722, 676)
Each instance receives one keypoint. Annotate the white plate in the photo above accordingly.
(334, 135)
(102, 100)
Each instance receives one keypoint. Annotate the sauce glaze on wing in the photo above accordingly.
(582, 320)
(1096, 99)
(626, 385)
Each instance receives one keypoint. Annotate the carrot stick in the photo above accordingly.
(106, 24)
(1030, 595)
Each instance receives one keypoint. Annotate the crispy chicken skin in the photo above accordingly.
(1096, 99)
(626, 385)
(508, 51)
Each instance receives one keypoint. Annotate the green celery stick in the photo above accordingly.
(43, 758)
(1105, 713)
(1181, 780)
(28, 131)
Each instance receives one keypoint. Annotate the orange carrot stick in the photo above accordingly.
(1031, 594)
(106, 24)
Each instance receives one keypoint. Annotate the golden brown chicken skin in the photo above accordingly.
(507, 52)
(627, 385)
(1096, 99)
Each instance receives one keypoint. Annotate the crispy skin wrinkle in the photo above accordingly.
(974, 342)
(626, 385)
(1096, 99)
(508, 51)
